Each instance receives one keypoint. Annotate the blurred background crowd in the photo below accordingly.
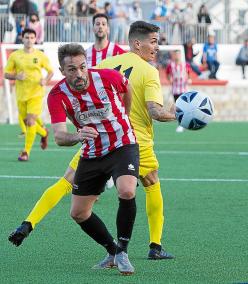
(57, 20)
(181, 22)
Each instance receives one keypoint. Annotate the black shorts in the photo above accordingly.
(92, 174)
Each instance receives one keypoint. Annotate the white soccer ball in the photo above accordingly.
(194, 110)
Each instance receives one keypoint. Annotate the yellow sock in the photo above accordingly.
(48, 200)
(40, 130)
(154, 211)
(40, 121)
(30, 137)
(22, 124)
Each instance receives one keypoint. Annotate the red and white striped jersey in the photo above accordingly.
(99, 106)
(179, 73)
(94, 57)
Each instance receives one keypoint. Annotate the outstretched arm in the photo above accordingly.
(157, 112)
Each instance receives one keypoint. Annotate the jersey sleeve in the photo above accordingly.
(10, 67)
(56, 108)
(119, 81)
(46, 64)
(153, 92)
(118, 50)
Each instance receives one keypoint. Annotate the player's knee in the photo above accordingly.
(30, 122)
(79, 215)
(127, 193)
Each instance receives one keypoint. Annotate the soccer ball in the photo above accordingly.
(194, 110)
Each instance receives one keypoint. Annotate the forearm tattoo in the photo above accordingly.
(157, 112)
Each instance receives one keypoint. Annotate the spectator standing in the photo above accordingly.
(82, 9)
(20, 26)
(177, 22)
(242, 58)
(160, 11)
(51, 21)
(93, 9)
(177, 72)
(109, 10)
(35, 24)
(209, 56)
(189, 55)
(135, 12)
(61, 8)
(204, 21)
(189, 21)
(118, 28)
(25, 7)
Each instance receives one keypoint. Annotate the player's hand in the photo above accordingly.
(87, 133)
(21, 76)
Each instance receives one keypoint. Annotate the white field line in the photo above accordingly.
(162, 179)
(159, 152)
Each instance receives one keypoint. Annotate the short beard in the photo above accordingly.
(81, 87)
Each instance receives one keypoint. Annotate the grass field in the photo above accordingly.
(204, 179)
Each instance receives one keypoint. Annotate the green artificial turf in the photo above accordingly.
(205, 187)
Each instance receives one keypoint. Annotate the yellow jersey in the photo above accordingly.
(145, 86)
(31, 64)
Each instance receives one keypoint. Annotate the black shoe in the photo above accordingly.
(157, 252)
(17, 237)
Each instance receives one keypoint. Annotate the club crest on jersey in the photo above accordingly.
(103, 95)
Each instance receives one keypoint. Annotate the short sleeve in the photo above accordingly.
(119, 81)
(46, 64)
(153, 92)
(10, 67)
(56, 108)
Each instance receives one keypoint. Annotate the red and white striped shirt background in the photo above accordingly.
(179, 73)
(94, 57)
(100, 106)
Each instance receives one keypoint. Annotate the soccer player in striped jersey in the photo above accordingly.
(97, 102)
(178, 72)
(147, 104)
(102, 48)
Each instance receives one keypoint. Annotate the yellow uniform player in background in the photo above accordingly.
(25, 67)
(147, 104)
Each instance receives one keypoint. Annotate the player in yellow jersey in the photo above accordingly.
(147, 104)
(25, 67)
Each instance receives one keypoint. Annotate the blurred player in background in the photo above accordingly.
(25, 66)
(147, 104)
(102, 47)
(177, 72)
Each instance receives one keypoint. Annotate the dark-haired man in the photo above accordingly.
(147, 104)
(25, 67)
(102, 47)
(97, 102)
